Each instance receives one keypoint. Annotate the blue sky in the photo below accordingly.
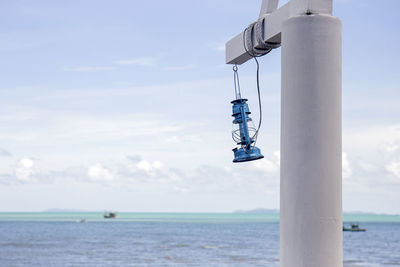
(125, 105)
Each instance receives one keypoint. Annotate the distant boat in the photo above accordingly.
(354, 228)
(110, 215)
(81, 221)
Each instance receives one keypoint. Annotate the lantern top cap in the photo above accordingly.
(240, 100)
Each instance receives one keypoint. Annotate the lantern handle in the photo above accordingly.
(236, 82)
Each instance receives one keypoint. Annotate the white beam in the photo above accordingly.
(267, 7)
(310, 6)
(234, 49)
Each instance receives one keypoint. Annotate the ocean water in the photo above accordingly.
(174, 239)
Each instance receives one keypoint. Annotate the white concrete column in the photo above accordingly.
(311, 146)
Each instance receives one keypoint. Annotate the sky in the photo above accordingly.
(125, 105)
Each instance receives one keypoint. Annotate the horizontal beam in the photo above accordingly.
(234, 49)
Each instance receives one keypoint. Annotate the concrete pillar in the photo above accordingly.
(311, 146)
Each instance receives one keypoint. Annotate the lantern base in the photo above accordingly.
(242, 156)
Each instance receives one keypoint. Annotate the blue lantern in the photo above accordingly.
(244, 133)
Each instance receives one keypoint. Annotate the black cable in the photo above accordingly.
(259, 100)
(258, 79)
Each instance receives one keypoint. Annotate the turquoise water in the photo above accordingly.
(141, 217)
(176, 217)
(175, 239)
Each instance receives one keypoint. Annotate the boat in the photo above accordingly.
(354, 228)
(110, 215)
(81, 221)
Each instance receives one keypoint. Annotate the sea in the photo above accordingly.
(175, 239)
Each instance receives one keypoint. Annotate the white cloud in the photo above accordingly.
(98, 172)
(143, 171)
(4, 153)
(89, 69)
(144, 165)
(134, 158)
(188, 138)
(193, 138)
(220, 47)
(138, 172)
(166, 89)
(266, 165)
(217, 46)
(25, 171)
(371, 138)
(173, 139)
(367, 167)
(157, 164)
(14, 114)
(70, 128)
(346, 170)
(180, 68)
(392, 147)
(269, 165)
(145, 61)
(227, 169)
(277, 155)
(393, 168)
(149, 167)
(181, 189)
(26, 163)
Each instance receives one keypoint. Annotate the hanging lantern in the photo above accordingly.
(244, 133)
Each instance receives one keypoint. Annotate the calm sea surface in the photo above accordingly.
(169, 239)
